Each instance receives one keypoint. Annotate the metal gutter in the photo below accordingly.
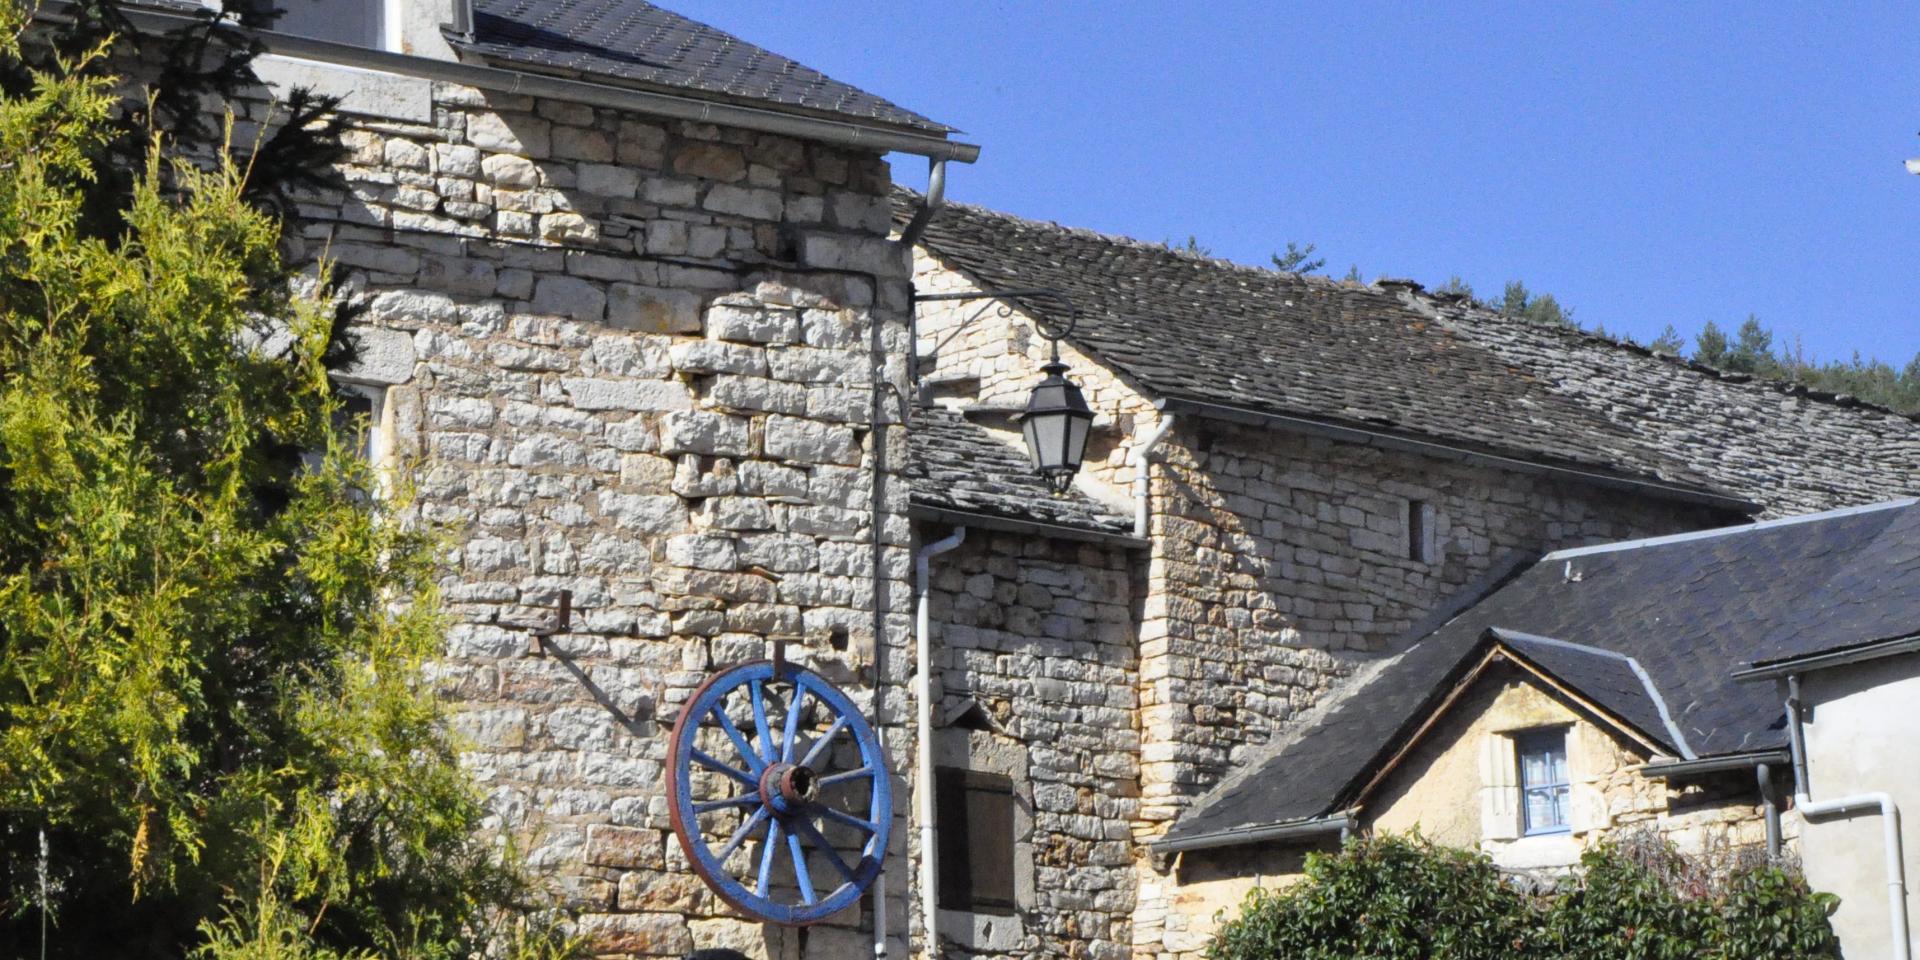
(989, 521)
(1681, 769)
(1337, 823)
(1619, 545)
(503, 80)
(1442, 451)
(1837, 658)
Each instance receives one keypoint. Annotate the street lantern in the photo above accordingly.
(1055, 424)
(1057, 417)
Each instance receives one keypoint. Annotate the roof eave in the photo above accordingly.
(1864, 653)
(764, 119)
(1260, 833)
(1682, 769)
(467, 48)
(1021, 525)
(1677, 493)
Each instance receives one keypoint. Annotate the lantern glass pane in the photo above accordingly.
(1077, 441)
(1049, 433)
(1028, 428)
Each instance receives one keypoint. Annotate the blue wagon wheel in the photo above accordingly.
(777, 783)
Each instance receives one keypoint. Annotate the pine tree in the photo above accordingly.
(1752, 349)
(1298, 259)
(1669, 341)
(1710, 347)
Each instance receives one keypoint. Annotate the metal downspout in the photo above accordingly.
(1763, 773)
(1889, 821)
(923, 751)
(936, 197)
(1142, 473)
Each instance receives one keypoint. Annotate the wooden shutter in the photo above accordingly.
(1499, 789)
(975, 818)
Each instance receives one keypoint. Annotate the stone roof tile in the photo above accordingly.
(637, 42)
(960, 465)
(1388, 359)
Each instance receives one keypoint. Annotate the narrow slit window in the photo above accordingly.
(1544, 784)
(1419, 530)
(975, 812)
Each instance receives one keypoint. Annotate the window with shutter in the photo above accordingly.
(976, 819)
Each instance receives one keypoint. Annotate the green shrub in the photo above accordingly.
(1400, 898)
(1387, 897)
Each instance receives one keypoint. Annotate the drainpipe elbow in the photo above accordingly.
(1142, 473)
(936, 197)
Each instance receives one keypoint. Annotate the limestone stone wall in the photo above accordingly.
(637, 360)
(1041, 635)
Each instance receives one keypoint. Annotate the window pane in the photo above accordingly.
(357, 22)
(1543, 780)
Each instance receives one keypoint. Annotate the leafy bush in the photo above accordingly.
(1402, 898)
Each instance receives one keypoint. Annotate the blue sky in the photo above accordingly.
(1646, 163)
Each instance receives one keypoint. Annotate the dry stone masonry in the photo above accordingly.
(635, 360)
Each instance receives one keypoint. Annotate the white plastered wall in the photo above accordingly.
(1862, 735)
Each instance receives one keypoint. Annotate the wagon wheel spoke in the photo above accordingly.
(833, 856)
(792, 733)
(826, 739)
(840, 778)
(849, 820)
(747, 753)
(800, 875)
(743, 800)
(709, 761)
(766, 858)
(740, 836)
(763, 745)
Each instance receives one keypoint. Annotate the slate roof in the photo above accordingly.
(960, 465)
(1193, 328)
(638, 43)
(1689, 609)
(1613, 681)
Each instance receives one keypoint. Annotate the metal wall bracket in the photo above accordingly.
(561, 623)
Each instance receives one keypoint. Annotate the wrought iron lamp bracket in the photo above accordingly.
(1047, 327)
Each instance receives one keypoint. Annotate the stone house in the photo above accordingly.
(638, 333)
(1593, 692)
(1333, 470)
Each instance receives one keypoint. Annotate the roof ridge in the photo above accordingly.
(1464, 305)
(1671, 538)
(1844, 401)
(1147, 246)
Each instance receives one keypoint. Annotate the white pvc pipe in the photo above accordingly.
(1889, 824)
(880, 911)
(923, 753)
(1141, 475)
